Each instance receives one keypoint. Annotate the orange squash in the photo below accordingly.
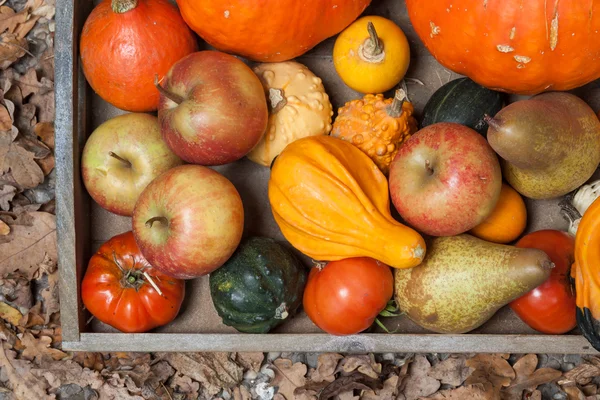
(516, 46)
(125, 43)
(377, 126)
(269, 30)
(331, 202)
(586, 272)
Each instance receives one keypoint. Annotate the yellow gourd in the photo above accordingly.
(377, 126)
(331, 202)
(371, 55)
(299, 107)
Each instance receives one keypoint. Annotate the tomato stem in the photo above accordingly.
(131, 279)
(174, 97)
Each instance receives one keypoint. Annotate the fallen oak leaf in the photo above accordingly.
(10, 314)
(9, 20)
(326, 366)
(527, 378)
(491, 370)
(418, 383)
(12, 47)
(347, 383)
(19, 169)
(49, 295)
(451, 371)
(26, 247)
(250, 361)
(4, 228)
(241, 393)
(37, 349)
(7, 192)
(581, 374)
(468, 392)
(288, 377)
(363, 363)
(45, 133)
(388, 392)
(185, 385)
(23, 383)
(16, 290)
(33, 317)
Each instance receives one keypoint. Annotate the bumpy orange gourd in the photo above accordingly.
(586, 272)
(268, 30)
(377, 126)
(332, 202)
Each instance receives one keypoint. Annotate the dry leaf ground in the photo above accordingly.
(32, 365)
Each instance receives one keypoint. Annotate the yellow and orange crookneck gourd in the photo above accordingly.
(332, 202)
(377, 126)
(586, 272)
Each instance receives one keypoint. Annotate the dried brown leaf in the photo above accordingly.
(185, 385)
(214, 371)
(122, 359)
(527, 378)
(23, 384)
(469, 392)
(363, 363)
(590, 390)
(12, 47)
(19, 169)
(348, 383)
(27, 247)
(38, 348)
(8, 335)
(10, 314)
(574, 393)
(451, 371)
(4, 228)
(581, 374)
(45, 133)
(418, 383)
(9, 20)
(250, 361)
(241, 393)
(49, 295)
(7, 192)
(5, 119)
(388, 392)
(33, 317)
(326, 366)
(58, 373)
(288, 377)
(89, 360)
(490, 369)
(44, 106)
(16, 290)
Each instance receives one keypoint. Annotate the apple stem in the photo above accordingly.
(395, 109)
(118, 157)
(376, 48)
(152, 220)
(494, 123)
(428, 167)
(171, 96)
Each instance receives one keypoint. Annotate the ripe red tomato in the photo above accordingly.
(116, 291)
(345, 296)
(550, 308)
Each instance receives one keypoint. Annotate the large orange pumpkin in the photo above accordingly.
(515, 46)
(269, 30)
(125, 43)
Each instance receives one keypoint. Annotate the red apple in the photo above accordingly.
(188, 221)
(212, 108)
(445, 179)
(121, 157)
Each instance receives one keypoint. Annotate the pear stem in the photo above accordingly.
(494, 123)
(169, 95)
(118, 157)
(152, 220)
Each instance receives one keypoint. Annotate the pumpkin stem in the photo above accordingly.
(164, 221)
(122, 6)
(118, 157)
(494, 123)
(371, 50)
(277, 99)
(171, 96)
(395, 109)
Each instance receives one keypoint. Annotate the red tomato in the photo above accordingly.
(116, 291)
(550, 308)
(345, 296)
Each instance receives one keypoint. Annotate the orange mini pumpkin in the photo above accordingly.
(377, 126)
(125, 43)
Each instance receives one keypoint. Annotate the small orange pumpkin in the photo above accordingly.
(376, 125)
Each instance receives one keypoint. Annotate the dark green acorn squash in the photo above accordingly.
(259, 286)
(462, 101)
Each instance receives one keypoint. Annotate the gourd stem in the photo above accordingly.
(494, 123)
(395, 109)
(169, 95)
(164, 221)
(376, 49)
(276, 99)
(122, 6)
(118, 157)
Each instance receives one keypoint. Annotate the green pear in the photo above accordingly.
(464, 280)
(549, 144)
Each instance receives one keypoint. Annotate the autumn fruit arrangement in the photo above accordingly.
(458, 175)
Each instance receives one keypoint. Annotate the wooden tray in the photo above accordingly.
(83, 226)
